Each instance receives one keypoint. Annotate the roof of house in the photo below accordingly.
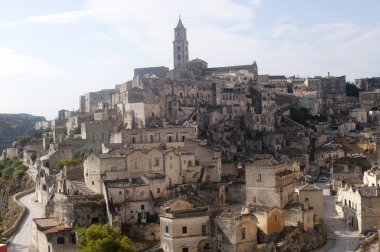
(49, 225)
(309, 187)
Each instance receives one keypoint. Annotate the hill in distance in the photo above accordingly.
(15, 125)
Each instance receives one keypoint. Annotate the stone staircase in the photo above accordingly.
(82, 188)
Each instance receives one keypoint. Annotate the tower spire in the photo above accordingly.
(180, 47)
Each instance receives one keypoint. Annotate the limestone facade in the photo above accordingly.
(270, 182)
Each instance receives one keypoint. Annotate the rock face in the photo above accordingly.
(14, 125)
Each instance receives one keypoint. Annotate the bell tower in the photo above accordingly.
(180, 48)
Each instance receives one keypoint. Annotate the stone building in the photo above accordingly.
(48, 235)
(161, 169)
(368, 84)
(270, 220)
(369, 100)
(97, 132)
(349, 170)
(127, 200)
(66, 175)
(371, 177)
(234, 230)
(360, 206)
(104, 167)
(360, 115)
(210, 158)
(313, 196)
(270, 182)
(89, 101)
(83, 210)
(186, 230)
(142, 112)
(171, 136)
(327, 153)
(299, 214)
(160, 71)
(180, 47)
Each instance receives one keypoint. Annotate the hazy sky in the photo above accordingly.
(52, 51)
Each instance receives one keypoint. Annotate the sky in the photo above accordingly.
(53, 51)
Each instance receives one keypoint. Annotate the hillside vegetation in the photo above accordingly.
(15, 125)
(13, 179)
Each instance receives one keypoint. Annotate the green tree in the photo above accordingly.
(84, 152)
(24, 139)
(103, 238)
(62, 163)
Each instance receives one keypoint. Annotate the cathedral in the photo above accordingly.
(185, 69)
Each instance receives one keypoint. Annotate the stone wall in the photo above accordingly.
(149, 232)
(15, 198)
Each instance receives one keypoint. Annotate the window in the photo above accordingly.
(135, 163)
(189, 163)
(156, 162)
(204, 229)
(243, 233)
(158, 190)
(178, 48)
(184, 230)
(183, 180)
(92, 182)
(60, 240)
(185, 249)
(179, 57)
(142, 207)
(275, 218)
(151, 138)
(120, 193)
(133, 139)
(254, 199)
(170, 139)
(166, 229)
(259, 179)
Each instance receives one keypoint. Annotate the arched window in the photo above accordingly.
(60, 240)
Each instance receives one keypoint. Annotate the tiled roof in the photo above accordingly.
(46, 223)
(55, 229)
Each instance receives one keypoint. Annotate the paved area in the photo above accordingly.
(338, 238)
(32, 170)
(22, 239)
